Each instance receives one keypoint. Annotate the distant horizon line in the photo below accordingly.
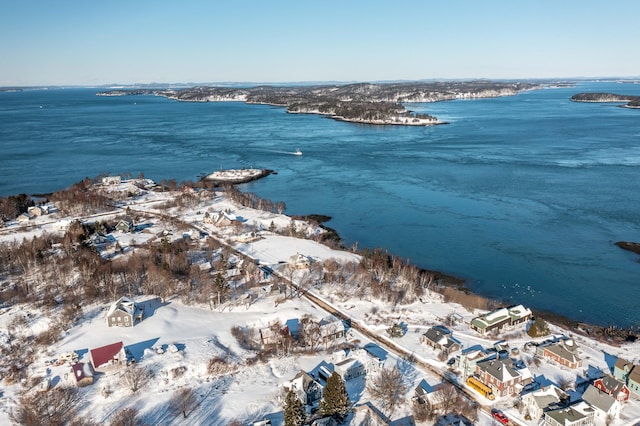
(311, 82)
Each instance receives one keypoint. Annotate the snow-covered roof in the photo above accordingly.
(123, 304)
(499, 369)
(547, 396)
(598, 399)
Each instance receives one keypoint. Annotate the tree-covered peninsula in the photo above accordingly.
(359, 102)
(631, 101)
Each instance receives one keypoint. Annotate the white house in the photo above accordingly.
(604, 405)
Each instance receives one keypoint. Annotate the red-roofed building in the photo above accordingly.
(83, 373)
(108, 357)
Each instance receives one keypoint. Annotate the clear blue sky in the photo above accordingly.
(85, 42)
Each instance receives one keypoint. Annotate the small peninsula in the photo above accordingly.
(235, 176)
(632, 101)
(626, 245)
(365, 103)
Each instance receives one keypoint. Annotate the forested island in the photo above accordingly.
(632, 101)
(365, 103)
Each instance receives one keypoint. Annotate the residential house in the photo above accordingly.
(613, 387)
(109, 357)
(305, 387)
(501, 318)
(634, 381)
(621, 370)
(100, 241)
(428, 394)
(605, 406)
(564, 353)
(325, 421)
(452, 419)
(471, 357)
(83, 373)
(111, 180)
(220, 218)
(331, 329)
(124, 313)
(247, 237)
(377, 356)
(548, 398)
(580, 414)
(273, 335)
(300, 261)
(62, 225)
(370, 415)
(23, 218)
(35, 211)
(500, 376)
(125, 225)
(350, 368)
(438, 339)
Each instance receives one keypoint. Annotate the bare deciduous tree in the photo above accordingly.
(388, 388)
(136, 377)
(52, 408)
(126, 417)
(564, 382)
(184, 401)
(450, 397)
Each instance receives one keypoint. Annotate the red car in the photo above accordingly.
(499, 416)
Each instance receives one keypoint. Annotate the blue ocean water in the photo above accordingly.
(524, 196)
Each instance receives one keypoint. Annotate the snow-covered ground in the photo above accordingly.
(190, 335)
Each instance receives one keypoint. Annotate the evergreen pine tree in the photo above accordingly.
(293, 410)
(335, 400)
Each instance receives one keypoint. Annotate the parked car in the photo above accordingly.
(499, 416)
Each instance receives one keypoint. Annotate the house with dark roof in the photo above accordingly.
(82, 373)
(124, 313)
(613, 387)
(564, 353)
(305, 387)
(470, 357)
(438, 339)
(536, 403)
(500, 376)
(109, 357)
(605, 406)
(501, 318)
(580, 414)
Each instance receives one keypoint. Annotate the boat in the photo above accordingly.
(297, 152)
